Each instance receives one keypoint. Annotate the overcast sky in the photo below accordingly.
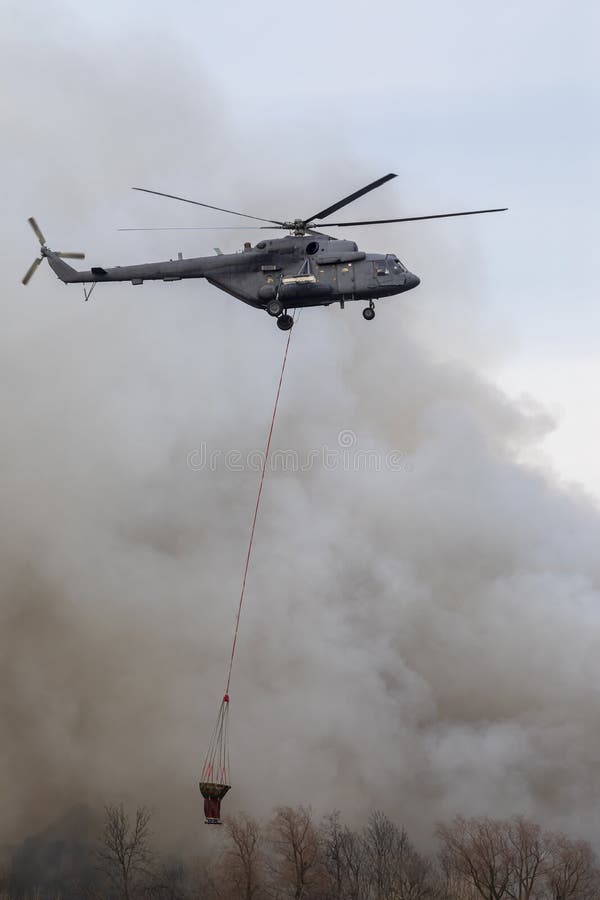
(455, 601)
(471, 104)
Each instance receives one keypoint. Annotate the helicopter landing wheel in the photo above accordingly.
(274, 308)
(369, 312)
(285, 322)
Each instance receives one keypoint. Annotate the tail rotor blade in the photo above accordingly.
(37, 230)
(69, 255)
(27, 277)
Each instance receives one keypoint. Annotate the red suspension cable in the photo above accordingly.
(260, 487)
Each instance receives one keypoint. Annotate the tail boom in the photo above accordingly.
(170, 270)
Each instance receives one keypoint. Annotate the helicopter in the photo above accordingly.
(305, 268)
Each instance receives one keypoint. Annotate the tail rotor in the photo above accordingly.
(37, 231)
(44, 251)
(28, 275)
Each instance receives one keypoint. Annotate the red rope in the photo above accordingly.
(260, 487)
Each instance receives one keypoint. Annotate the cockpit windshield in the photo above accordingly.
(395, 264)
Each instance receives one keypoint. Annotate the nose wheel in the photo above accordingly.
(369, 312)
(285, 322)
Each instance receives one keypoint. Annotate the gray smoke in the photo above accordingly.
(420, 638)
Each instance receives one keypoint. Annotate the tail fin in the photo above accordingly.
(64, 271)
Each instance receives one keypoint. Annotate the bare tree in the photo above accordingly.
(527, 853)
(416, 877)
(394, 870)
(382, 842)
(476, 851)
(169, 880)
(5, 879)
(571, 873)
(456, 886)
(354, 861)
(124, 850)
(296, 866)
(344, 861)
(244, 857)
(331, 834)
(206, 878)
(387, 850)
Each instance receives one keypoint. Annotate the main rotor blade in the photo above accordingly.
(207, 205)
(204, 228)
(27, 276)
(69, 255)
(350, 198)
(472, 212)
(37, 230)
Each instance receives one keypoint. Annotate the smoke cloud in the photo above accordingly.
(422, 638)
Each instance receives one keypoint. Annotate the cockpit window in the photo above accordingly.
(396, 265)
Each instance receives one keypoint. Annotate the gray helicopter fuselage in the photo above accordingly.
(299, 271)
(307, 268)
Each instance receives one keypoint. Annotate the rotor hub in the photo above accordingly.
(297, 226)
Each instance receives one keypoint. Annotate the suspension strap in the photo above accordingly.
(260, 487)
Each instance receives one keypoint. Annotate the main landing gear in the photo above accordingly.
(285, 322)
(275, 309)
(369, 311)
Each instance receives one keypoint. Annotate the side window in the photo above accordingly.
(381, 267)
